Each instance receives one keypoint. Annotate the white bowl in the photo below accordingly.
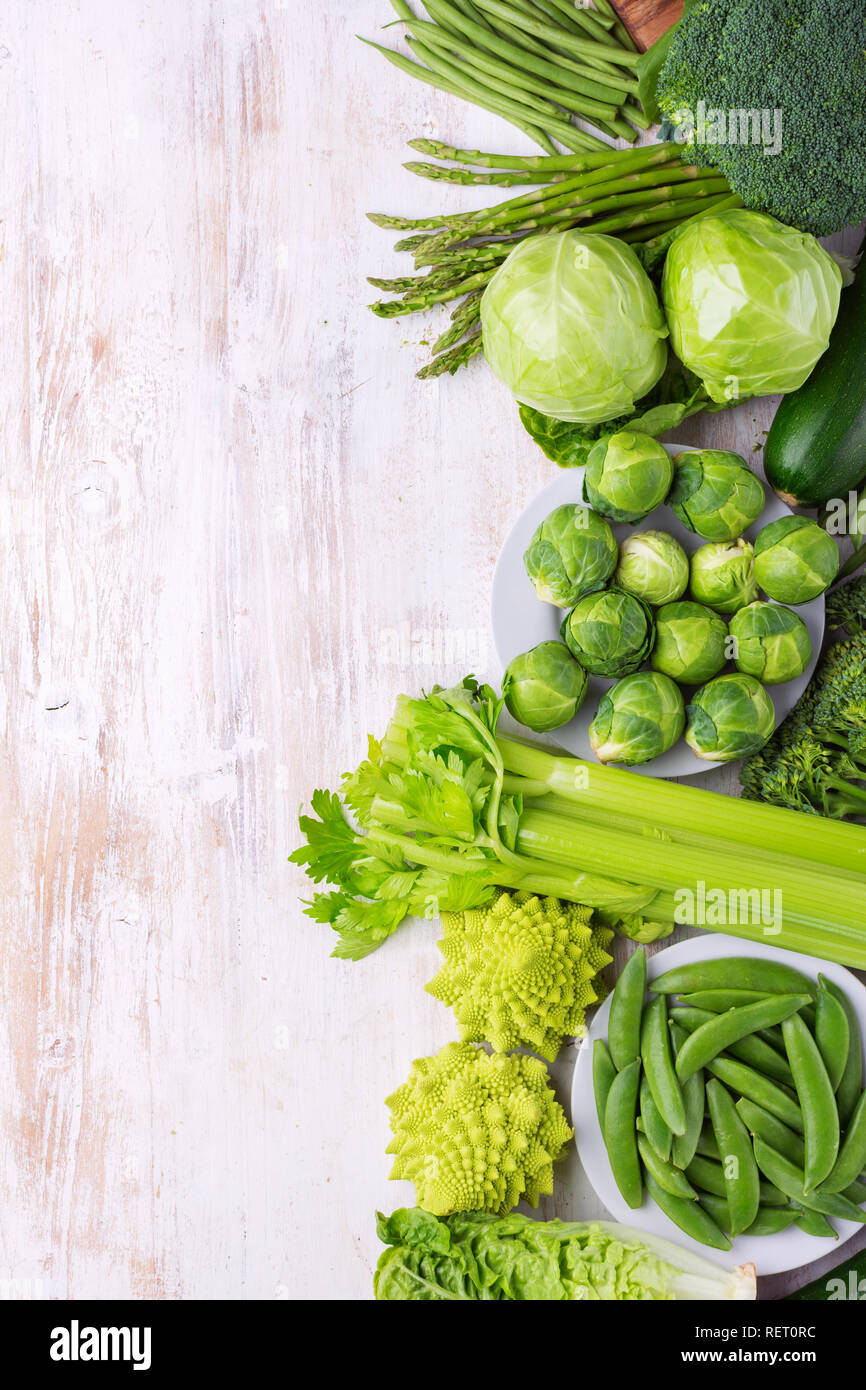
(770, 1254)
(521, 620)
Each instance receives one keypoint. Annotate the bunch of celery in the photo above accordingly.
(447, 809)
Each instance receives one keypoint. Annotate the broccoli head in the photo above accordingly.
(802, 59)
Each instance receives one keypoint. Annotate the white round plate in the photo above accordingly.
(521, 620)
(769, 1254)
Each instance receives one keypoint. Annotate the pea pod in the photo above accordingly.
(689, 1216)
(685, 1145)
(812, 1223)
(718, 1001)
(603, 1074)
(769, 1221)
(852, 1154)
(672, 1179)
(748, 1082)
(655, 1129)
(773, 1132)
(851, 1084)
(751, 1049)
(817, 1101)
(709, 1175)
(721, 1030)
(707, 1146)
(742, 1182)
(626, 1009)
(655, 1048)
(734, 972)
(789, 1179)
(832, 1033)
(620, 1135)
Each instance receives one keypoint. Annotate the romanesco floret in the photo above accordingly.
(522, 972)
(475, 1132)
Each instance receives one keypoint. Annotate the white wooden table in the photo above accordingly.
(234, 526)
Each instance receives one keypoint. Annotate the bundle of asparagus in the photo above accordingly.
(537, 63)
(639, 195)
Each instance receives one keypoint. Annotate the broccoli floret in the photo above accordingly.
(846, 606)
(816, 760)
(805, 59)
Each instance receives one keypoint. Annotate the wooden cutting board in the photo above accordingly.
(647, 20)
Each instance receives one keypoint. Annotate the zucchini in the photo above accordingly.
(816, 447)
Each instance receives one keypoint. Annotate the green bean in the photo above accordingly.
(773, 1132)
(718, 1001)
(672, 1179)
(685, 1145)
(851, 1084)
(812, 1223)
(721, 1030)
(603, 1073)
(852, 1155)
(768, 1222)
(832, 1033)
(817, 1101)
(626, 1009)
(742, 1183)
(689, 1216)
(656, 1130)
(620, 1135)
(655, 1048)
(750, 1083)
(734, 972)
(751, 1049)
(789, 1178)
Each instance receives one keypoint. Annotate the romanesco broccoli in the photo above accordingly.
(522, 972)
(475, 1132)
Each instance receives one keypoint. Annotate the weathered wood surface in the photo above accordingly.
(234, 526)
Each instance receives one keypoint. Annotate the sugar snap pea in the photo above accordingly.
(852, 1154)
(768, 1222)
(690, 1216)
(750, 1083)
(706, 1145)
(832, 1033)
(742, 1181)
(773, 1132)
(817, 1101)
(812, 1223)
(672, 1179)
(656, 1130)
(734, 972)
(751, 1049)
(684, 1145)
(789, 1179)
(655, 1048)
(620, 1135)
(626, 1009)
(709, 1175)
(852, 1078)
(603, 1074)
(721, 1030)
(717, 1001)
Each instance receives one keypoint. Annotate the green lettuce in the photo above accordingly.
(475, 1258)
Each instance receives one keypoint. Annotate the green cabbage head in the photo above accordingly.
(749, 303)
(573, 327)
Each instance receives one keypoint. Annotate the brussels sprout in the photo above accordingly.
(573, 327)
(749, 302)
(690, 642)
(637, 719)
(715, 494)
(653, 566)
(795, 560)
(773, 643)
(573, 552)
(627, 475)
(729, 717)
(544, 687)
(723, 575)
(611, 633)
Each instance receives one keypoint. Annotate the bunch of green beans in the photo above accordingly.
(536, 63)
(740, 1110)
(640, 195)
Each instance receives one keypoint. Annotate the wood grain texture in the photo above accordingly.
(234, 527)
(647, 20)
